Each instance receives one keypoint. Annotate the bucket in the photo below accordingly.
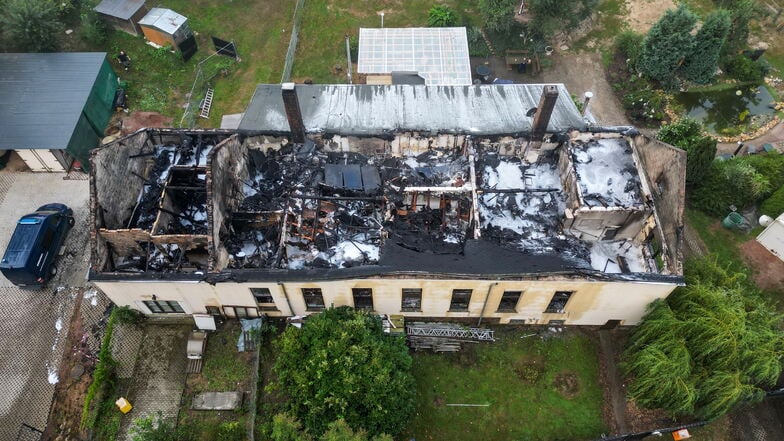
(733, 221)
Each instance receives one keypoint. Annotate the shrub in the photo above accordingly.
(667, 44)
(128, 316)
(629, 45)
(498, 15)
(441, 16)
(158, 428)
(477, 47)
(744, 69)
(726, 183)
(687, 134)
(774, 205)
(646, 105)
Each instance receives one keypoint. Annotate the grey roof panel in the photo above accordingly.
(368, 110)
(122, 9)
(164, 19)
(42, 96)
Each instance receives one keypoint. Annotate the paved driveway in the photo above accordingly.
(34, 324)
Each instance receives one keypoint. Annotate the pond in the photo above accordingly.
(721, 109)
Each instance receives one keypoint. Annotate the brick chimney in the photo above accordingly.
(293, 113)
(543, 112)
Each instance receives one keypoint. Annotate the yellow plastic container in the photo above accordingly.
(124, 405)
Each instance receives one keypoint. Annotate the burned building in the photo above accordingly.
(510, 209)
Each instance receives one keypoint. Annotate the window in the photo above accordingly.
(314, 300)
(460, 299)
(363, 298)
(412, 299)
(241, 312)
(509, 301)
(264, 298)
(163, 307)
(558, 302)
(213, 310)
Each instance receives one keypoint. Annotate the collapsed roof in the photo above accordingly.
(174, 203)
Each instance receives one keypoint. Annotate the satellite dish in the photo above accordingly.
(765, 220)
(530, 112)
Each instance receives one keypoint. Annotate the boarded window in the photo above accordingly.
(412, 299)
(314, 300)
(363, 298)
(558, 302)
(163, 307)
(509, 301)
(460, 299)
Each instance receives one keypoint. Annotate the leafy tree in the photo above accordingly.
(498, 15)
(687, 134)
(441, 16)
(341, 365)
(726, 183)
(704, 58)
(550, 16)
(746, 70)
(667, 45)
(710, 346)
(32, 25)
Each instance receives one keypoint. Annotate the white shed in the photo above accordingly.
(772, 237)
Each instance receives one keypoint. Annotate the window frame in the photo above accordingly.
(246, 310)
(501, 308)
(364, 295)
(411, 293)
(457, 307)
(312, 292)
(551, 310)
(270, 305)
(158, 309)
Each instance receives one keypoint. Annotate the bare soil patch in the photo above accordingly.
(644, 13)
(138, 120)
(567, 384)
(768, 270)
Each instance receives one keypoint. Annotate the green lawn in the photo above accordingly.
(325, 24)
(516, 377)
(720, 241)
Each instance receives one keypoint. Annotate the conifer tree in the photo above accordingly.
(708, 43)
(667, 45)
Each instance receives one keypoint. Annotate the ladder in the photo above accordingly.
(451, 332)
(206, 104)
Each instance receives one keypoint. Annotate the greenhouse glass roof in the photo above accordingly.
(439, 55)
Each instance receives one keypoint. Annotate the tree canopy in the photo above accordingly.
(710, 346)
(667, 45)
(687, 134)
(32, 25)
(341, 365)
(498, 15)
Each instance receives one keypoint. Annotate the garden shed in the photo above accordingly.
(54, 107)
(165, 27)
(772, 237)
(122, 15)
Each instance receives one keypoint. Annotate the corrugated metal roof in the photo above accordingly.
(439, 55)
(42, 97)
(164, 19)
(379, 109)
(122, 9)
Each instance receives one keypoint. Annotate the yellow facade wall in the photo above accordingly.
(593, 302)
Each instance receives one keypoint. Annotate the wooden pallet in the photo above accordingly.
(194, 366)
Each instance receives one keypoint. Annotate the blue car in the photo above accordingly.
(29, 258)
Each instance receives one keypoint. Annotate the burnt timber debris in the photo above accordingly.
(202, 202)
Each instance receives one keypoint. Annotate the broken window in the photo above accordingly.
(214, 311)
(314, 300)
(558, 302)
(509, 301)
(163, 307)
(363, 298)
(264, 298)
(460, 299)
(412, 299)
